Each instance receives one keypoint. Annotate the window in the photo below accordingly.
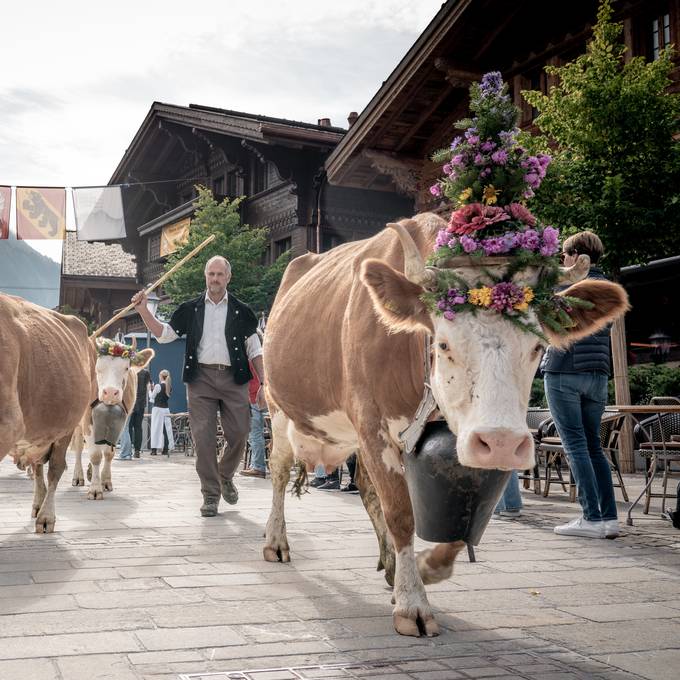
(329, 241)
(282, 246)
(259, 176)
(219, 185)
(232, 184)
(154, 246)
(660, 34)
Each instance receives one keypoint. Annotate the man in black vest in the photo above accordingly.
(220, 339)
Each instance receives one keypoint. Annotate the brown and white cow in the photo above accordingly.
(344, 355)
(46, 378)
(116, 384)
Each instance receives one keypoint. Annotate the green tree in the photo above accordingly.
(244, 247)
(616, 163)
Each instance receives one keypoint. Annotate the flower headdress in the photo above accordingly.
(110, 348)
(488, 175)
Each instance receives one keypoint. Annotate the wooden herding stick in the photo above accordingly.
(155, 285)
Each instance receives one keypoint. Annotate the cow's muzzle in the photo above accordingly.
(498, 448)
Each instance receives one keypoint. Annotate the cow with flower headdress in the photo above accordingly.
(116, 368)
(346, 353)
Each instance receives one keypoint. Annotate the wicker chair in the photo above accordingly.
(536, 417)
(658, 439)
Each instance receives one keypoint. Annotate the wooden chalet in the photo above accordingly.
(276, 164)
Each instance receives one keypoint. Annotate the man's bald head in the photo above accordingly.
(217, 277)
(218, 259)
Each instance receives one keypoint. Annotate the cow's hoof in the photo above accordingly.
(108, 486)
(44, 525)
(34, 511)
(78, 481)
(95, 495)
(415, 627)
(276, 554)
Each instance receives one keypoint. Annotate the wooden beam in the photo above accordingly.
(622, 392)
(423, 118)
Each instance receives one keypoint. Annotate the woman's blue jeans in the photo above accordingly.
(256, 438)
(577, 402)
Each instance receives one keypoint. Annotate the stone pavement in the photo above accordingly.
(140, 586)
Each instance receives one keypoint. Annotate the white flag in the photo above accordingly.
(99, 213)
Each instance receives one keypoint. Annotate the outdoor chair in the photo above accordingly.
(182, 433)
(665, 401)
(535, 419)
(610, 432)
(658, 440)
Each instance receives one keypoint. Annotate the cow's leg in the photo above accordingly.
(436, 564)
(412, 613)
(95, 492)
(39, 488)
(44, 522)
(281, 458)
(371, 502)
(77, 444)
(106, 469)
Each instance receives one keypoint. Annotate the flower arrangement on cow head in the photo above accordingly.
(111, 348)
(488, 176)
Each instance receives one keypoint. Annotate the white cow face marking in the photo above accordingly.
(483, 367)
(112, 376)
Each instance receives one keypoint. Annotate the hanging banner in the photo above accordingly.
(99, 213)
(174, 235)
(41, 213)
(5, 198)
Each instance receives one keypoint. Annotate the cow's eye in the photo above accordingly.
(443, 346)
(538, 349)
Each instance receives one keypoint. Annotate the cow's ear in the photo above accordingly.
(142, 358)
(608, 301)
(396, 300)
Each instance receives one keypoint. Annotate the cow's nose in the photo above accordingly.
(111, 394)
(502, 448)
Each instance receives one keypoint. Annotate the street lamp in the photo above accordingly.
(152, 306)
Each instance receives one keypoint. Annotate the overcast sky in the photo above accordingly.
(79, 77)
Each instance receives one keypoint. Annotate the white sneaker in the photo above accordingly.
(581, 527)
(611, 528)
(510, 513)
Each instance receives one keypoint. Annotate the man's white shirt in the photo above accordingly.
(212, 348)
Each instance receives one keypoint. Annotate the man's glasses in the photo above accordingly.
(564, 253)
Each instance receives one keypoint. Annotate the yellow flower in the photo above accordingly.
(465, 194)
(490, 195)
(528, 297)
(480, 296)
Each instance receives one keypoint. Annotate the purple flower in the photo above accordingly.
(473, 139)
(551, 241)
(452, 242)
(456, 141)
(485, 173)
(446, 168)
(436, 190)
(528, 239)
(479, 159)
(442, 239)
(488, 146)
(500, 157)
(469, 244)
(441, 305)
(495, 245)
(450, 315)
(458, 159)
(504, 296)
(492, 83)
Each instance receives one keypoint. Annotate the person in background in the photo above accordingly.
(258, 411)
(351, 487)
(576, 390)
(137, 413)
(125, 444)
(510, 503)
(161, 425)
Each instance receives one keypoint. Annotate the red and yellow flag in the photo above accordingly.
(5, 198)
(41, 213)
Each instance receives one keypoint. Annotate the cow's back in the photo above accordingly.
(325, 347)
(49, 363)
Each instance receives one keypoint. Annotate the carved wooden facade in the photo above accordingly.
(277, 164)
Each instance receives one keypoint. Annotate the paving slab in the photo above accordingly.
(140, 586)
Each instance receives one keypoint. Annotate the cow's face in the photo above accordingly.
(483, 364)
(113, 372)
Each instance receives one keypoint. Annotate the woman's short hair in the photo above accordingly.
(584, 243)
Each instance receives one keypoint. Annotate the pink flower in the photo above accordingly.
(522, 214)
(474, 216)
(436, 190)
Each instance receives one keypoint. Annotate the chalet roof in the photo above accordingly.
(82, 258)
(413, 112)
(198, 119)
